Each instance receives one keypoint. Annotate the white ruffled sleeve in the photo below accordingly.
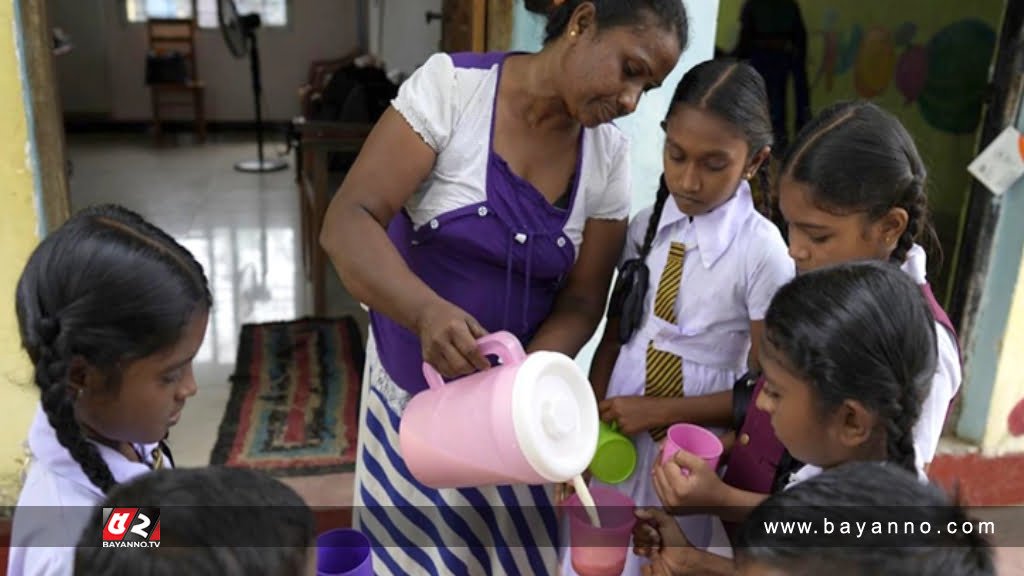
(427, 101)
(614, 202)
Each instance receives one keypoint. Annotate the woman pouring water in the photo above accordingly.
(492, 195)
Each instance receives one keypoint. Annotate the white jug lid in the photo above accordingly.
(554, 413)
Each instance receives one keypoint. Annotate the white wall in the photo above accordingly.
(643, 126)
(405, 40)
(104, 76)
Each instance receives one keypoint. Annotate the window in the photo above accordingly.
(272, 12)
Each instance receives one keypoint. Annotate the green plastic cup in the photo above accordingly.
(615, 458)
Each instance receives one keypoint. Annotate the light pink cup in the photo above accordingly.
(695, 440)
(601, 551)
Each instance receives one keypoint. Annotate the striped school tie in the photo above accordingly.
(668, 286)
(158, 457)
(664, 369)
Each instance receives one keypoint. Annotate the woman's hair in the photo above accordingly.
(669, 14)
(856, 157)
(859, 331)
(865, 494)
(106, 287)
(213, 521)
(734, 92)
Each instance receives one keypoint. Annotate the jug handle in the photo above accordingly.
(504, 345)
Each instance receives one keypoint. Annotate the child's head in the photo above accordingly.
(717, 132)
(111, 310)
(213, 521)
(862, 494)
(848, 354)
(852, 187)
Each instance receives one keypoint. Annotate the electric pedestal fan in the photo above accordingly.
(240, 36)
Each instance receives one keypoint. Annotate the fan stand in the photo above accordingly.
(261, 164)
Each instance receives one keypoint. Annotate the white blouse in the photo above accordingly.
(451, 109)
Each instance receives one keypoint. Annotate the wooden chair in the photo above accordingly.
(177, 35)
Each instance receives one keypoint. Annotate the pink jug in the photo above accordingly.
(530, 420)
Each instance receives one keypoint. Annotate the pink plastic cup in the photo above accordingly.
(695, 440)
(601, 551)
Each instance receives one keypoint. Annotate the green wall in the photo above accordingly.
(927, 61)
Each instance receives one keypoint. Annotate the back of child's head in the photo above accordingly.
(735, 93)
(212, 521)
(858, 332)
(884, 507)
(855, 157)
(104, 289)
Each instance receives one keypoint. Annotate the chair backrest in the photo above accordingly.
(174, 35)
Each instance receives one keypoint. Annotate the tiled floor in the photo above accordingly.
(243, 229)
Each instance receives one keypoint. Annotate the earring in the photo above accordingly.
(572, 33)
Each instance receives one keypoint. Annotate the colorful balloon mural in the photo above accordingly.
(875, 62)
(946, 76)
(959, 57)
(912, 72)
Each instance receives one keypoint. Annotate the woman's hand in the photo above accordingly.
(658, 537)
(633, 414)
(448, 336)
(701, 488)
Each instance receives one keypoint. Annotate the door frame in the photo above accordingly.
(46, 123)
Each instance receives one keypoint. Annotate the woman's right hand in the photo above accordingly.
(448, 336)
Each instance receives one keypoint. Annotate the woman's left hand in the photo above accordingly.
(633, 414)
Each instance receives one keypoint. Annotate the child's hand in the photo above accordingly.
(658, 537)
(632, 414)
(700, 488)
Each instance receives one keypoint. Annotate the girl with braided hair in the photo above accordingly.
(852, 188)
(848, 355)
(700, 268)
(111, 310)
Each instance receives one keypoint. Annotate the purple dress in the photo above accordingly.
(503, 260)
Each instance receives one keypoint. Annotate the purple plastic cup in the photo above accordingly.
(343, 552)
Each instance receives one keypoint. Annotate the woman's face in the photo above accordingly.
(151, 394)
(607, 71)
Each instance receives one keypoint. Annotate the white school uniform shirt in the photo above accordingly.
(735, 261)
(57, 500)
(944, 387)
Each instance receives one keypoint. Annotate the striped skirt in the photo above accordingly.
(419, 530)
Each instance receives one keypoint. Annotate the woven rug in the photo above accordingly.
(294, 404)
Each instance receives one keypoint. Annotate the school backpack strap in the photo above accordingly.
(943, 320)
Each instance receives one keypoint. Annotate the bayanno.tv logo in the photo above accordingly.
(131, 527)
